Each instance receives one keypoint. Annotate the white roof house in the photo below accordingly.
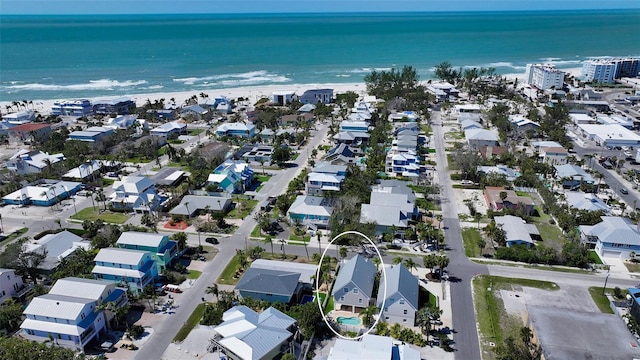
(614, 237)
(306, 271)
(57, 246)
(122, 121)
(168, 128)
(96, 290)
(43, 194)
(586, 201)
(311, 209)
(31, 162)
(518, 232)
(610, 135)
(134, 193)
(120, 256)
(480, 134)
(252, 336)
(140, 239)
(84, 170)
(371, 347)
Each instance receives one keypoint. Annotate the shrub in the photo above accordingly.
(135, 331)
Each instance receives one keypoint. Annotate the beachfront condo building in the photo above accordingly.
(78, 108)
(544, 76)
(606, 70)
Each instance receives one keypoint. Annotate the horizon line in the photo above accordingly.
(330, 12)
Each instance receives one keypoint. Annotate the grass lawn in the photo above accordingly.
(256, 232)
(194, 274)
(14, 235)
(191, 322)
(329, 306)
(594, 257)
(106, 216)
(262, 178)
(194, 132)
(470, 238)
(632, 267)
(242, 209)
(209, 252)
(320, 295)
(493, 320)
(295, 237)
(226, 278)
(601, 301)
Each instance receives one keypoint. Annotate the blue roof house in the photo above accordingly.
(353, 286)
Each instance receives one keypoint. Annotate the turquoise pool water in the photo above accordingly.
(348, 320)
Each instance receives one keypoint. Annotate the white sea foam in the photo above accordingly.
(368, 70)
(251, 77)
(343, 75)
(103, 84)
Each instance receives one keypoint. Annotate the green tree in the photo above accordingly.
(288, 356)
(397, 260)
(367, 315)
(281, 155)
(10, 315)
(181, 239)
(213, 290)
(343, 251)
(410, 264)
(426, 316)
(16, 348)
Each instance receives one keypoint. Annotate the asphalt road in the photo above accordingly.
(460, 269)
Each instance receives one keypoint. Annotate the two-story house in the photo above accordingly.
(236, 129)
(403, 164)
(10, 284)
(69, 315)
(615, 237)
(353, 286)
(132, 268)
(325, 177)
(392, 205)
(137, 193)
(232, 176)
(32, 162)
(163, 250)
(401, 302)
(311, 210)
(166, 130)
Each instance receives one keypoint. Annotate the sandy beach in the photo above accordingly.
(253, 93)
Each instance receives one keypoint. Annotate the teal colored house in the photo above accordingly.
(163, 251)
(232, 176)
(134, 269)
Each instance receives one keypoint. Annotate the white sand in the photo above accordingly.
(253, 93)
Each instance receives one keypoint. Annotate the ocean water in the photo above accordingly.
(91, 56)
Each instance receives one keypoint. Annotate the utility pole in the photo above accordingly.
(605, 282)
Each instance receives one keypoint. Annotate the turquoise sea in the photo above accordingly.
(49, 57)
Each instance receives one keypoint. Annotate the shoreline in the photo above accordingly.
(252, 92)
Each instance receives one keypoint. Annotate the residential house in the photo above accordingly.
(315, 96)
(134, 269)
(405, 164)
(554, 155)
(586, 201)
(170, 129)
(306, 108)
(325, 177)
(538, 145)
(341, 154)
(517, 231)
(355, 126)
(354, 284)
(615, 120)
(259, 153)
(195, 110)
(10, 285)
(572, 176)
(69, 315)
(581, 118)
(123, 122)
(232, 176)
(634, 292)
(32, 162)
(524, 126)
(500, 170)
(392, 205)
(85, 171)
(77, 108)
(163, 251)
(403, 116)
(169, 177)
(311, 210)
(222, 105)
(30, 132)
(359, 116)
(237, 129)
(469, 124)
(615, 237)
(246, 335)
(44, 194)
(355, 138)
(92, 134)
(295, 120)
(161, 114)
(57, 247)
(372, 347)
(276, 281)
(19, 118)
(477, 138)
(267, 135)
(401, 302)
(134, 193)
(282, 98)
(443, 91)
(191, 205)
(120, 105)
(512, 201)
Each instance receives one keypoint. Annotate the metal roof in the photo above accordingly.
(358, 270)
(120, 256)
(82, 288)
(306, 271)
(269, 281)
(141, 239)
(58, 306)
(515, 228)
(400, 282)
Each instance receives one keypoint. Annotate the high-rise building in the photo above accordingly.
(544, 76)
(606, 70)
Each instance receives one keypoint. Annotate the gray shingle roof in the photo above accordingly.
(269, 281)
(358, 270)
(615, 230)
(515, 228)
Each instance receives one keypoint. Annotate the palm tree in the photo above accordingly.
(343, 252)
(319, 235)
(367, 315)
(213, 289)
(425, 316)
(269, 240)
(326, 278)
(397, 260)
(410, 264)
(429, 262)
(376, 261)
(442, 262)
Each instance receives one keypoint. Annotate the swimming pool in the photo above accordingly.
(348, 320)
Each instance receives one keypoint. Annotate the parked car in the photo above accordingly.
(212, 240)
(277, 227)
